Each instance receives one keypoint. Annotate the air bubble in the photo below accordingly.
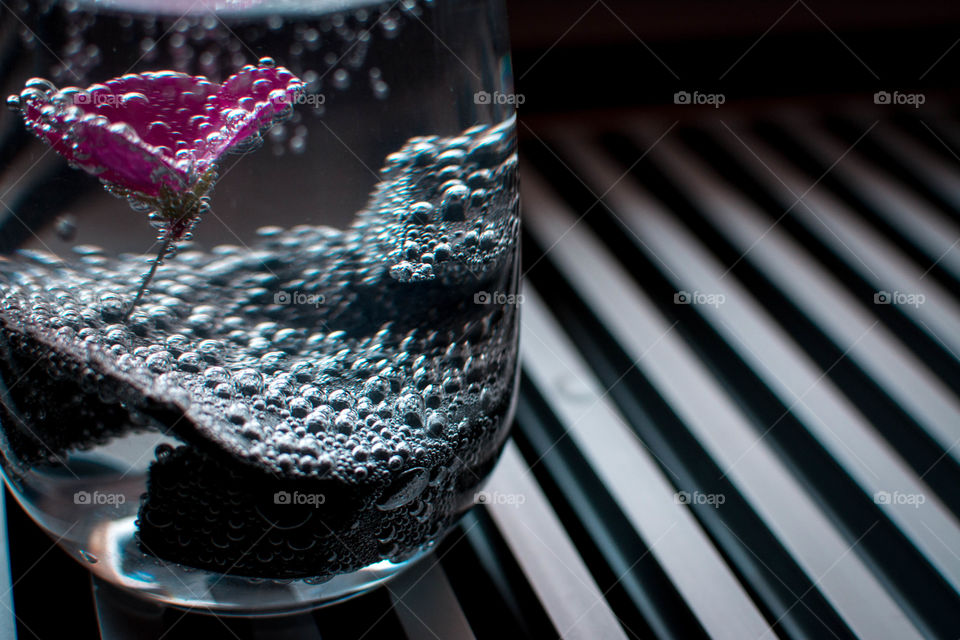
(341, 79)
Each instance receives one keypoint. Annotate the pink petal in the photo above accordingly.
(102, 148)
(272, 89)
(142, 132)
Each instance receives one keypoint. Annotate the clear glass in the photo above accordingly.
(322, 371)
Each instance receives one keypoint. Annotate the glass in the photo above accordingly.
(309, 390)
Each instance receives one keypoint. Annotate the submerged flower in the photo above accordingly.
(156, 138)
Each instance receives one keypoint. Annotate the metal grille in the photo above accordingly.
(739, 414)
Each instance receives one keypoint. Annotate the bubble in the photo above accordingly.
(345, 421)
(300, 407)
(66, 227)
(381, 90)
(319, 420)
(453, 204)
(435, 423)
(278, 133)
(421, 212)
(210, 350)
(248, 381)
(298, 145)
(237, 413)
(112, 306)
(134, 99)
(389, 26)
(341, 79)
(341, 399)
(376, 388)
(410, 408)
(189, 361)
(40, 84)
(160, 362)
(488, 240)
(442, 252)
(408, 486)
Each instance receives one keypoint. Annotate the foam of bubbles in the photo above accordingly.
(353, 362)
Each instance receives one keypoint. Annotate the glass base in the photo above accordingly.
(114, 557)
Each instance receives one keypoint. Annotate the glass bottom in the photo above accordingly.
(111, 553)
(115, 558)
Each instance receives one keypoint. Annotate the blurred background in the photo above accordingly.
(611, 53)
(741, 241)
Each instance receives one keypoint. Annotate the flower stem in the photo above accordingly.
(164, 247)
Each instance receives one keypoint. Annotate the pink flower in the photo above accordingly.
(144, 133)
(156, 138)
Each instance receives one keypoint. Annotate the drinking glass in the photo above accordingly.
(258, 286)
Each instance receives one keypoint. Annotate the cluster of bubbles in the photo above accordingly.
(311, 358)
(442, 213)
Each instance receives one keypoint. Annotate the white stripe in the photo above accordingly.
(546, 555)
(426, 604)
